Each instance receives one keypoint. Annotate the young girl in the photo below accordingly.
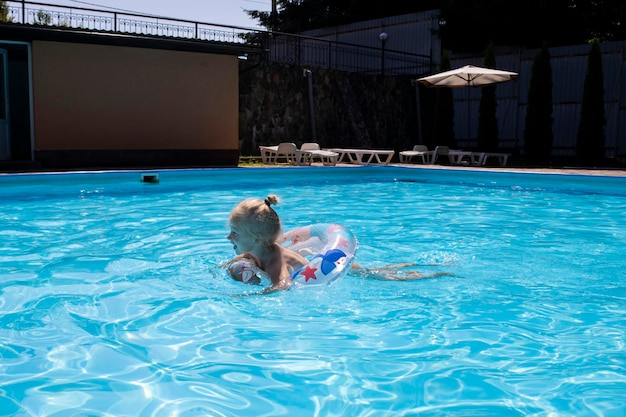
(254, 229)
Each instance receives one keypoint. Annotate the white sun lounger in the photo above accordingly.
(303, 156)
(421, 151)
(284, 151)
(310, 151)
(268, 153)
(502, 158)
(363, 156)
(458, 157)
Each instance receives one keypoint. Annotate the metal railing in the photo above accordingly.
(279, 47)
(321, 53)
(43, 14)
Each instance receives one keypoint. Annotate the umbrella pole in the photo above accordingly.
(469, 125)
(419, 114)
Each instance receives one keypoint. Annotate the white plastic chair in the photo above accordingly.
(432, 156)
(420, 151)
(268, 153)
(310, 146)
(311, 150)
(286, 151)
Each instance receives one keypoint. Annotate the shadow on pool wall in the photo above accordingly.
(160, 181)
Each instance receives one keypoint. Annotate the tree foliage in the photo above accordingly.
(469, 24)
(4, 12)
(299, 15)
(487, 121)
(444, 109)
(538, 136)
(591, 137)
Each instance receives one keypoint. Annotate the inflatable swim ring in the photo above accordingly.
(330, 248)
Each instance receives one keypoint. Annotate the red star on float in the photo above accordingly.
(309, 273)
(343, 242)
(332, 228)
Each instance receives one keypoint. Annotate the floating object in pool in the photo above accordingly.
(330, 248)
(246, 271)
(152, 178)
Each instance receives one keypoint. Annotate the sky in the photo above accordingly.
(222, 12)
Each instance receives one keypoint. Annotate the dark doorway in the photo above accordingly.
(15, 102)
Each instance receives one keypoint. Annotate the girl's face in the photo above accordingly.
(242, 240)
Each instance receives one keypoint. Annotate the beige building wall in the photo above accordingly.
(101, 97)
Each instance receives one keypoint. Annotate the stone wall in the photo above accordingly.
(351, 110)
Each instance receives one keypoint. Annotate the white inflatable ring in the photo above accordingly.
(330, 248)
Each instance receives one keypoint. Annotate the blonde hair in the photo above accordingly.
(257, 218)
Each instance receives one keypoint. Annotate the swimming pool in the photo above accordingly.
(112, 301)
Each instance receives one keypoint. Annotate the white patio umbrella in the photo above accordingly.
(467, 76)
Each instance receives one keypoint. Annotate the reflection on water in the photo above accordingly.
(113, 301)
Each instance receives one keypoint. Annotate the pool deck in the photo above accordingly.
(607, 172)
(563, 171)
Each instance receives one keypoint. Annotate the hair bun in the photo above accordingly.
(271, 200)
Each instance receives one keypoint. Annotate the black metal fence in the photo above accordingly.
(321, 53)
(279, 47)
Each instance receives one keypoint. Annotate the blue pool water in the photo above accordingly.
(112, 301)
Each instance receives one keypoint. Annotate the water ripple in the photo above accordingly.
(113, 301)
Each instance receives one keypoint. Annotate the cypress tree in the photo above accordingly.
(4, 12)
(591, 137)
(444, 109)
(487, 121)
(538, 136)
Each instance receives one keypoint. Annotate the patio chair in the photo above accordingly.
(433, 155)
(309, 151)
(418, 150)
(286, 152)
(310, 146)
(268, 153)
